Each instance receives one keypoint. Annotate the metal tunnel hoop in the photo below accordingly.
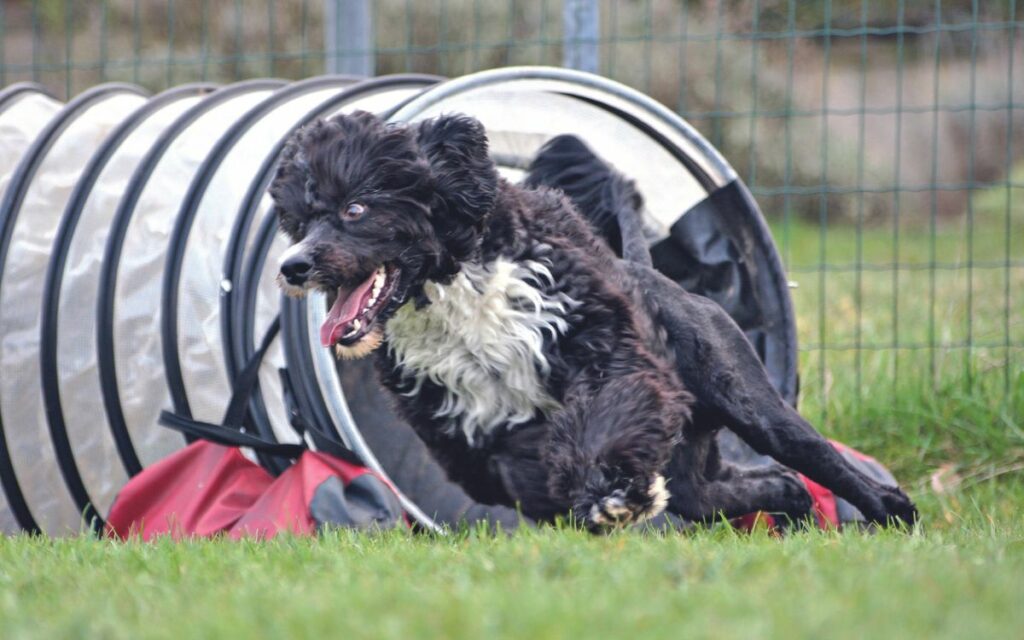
(188, 211)
(255, 260)
(8, 94)
(230, 315)
(54, 280)
(719, 170)
(8, 98)
(118, 229)
(237, 324)
(310, 403)
(10, 207)
(300, 368)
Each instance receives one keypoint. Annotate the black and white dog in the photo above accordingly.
(531, 360)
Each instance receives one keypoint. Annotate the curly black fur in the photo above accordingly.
(565, 163)
(434, 204)
(719, 366)
(623, 409)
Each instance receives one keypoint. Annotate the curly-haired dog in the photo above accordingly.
(520, 348)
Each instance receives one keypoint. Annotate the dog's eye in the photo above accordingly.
(354, 211)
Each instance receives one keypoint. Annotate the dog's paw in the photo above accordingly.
(900, 509)
(891, 507)
(626, 505)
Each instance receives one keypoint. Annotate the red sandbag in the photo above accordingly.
(201, 490)
(830, 512)
(321, 490)
(208, 489)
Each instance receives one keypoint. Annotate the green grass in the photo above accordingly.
(952, 429)
(957, 407)
(962, 582)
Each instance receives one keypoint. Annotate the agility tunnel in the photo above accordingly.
(138, 255)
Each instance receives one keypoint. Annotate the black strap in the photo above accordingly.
(234, 416)
(230, 432)
(228, 437)
(324, 441)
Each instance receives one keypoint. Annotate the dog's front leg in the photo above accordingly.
(608, 445)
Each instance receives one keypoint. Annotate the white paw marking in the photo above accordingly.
(613, 510)
(616, 507)
(660, 496)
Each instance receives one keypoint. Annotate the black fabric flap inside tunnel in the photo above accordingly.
(712, 251)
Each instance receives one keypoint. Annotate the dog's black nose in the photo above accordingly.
(296, 269)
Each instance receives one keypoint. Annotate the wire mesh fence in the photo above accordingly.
(884, 140)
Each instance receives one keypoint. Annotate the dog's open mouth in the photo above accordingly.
(354, 312)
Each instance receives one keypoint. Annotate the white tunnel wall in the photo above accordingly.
(521, 116)
(139, 361)
(79, 384)
(20, 123)
(25, 421)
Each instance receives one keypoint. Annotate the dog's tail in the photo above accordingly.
(607, 199)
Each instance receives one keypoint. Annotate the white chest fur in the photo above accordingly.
(481, 338)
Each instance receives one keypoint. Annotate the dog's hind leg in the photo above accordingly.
(778, 491)
(705, 488)
(768, 424)
(719, 366)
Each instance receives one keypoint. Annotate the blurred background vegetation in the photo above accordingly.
(900, 92)
(882, 138)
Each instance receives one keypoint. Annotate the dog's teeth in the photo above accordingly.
(356, 325)
(378, 284)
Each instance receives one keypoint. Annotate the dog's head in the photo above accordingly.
(375, 210)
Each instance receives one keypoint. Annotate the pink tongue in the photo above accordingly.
(343, 311)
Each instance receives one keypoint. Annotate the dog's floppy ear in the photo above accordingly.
(465, 180)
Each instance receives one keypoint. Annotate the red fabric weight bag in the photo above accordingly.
(210, 488)
(829, 510)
